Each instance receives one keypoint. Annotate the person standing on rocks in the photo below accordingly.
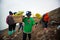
(44, 20)
(28, 24)
(21, 25)
(11, 23)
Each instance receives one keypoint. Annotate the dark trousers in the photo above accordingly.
(12, 27)
(45, 24)
(25, 36)
(21, 25)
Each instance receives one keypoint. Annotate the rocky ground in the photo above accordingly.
(38, 34)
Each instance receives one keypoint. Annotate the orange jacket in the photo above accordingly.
(46, 17)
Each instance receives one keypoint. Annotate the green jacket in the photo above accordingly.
(28, 24)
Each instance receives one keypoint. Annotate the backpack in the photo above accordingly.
(10, 20)
(45, 18)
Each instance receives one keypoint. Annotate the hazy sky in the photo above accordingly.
(40, 6)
